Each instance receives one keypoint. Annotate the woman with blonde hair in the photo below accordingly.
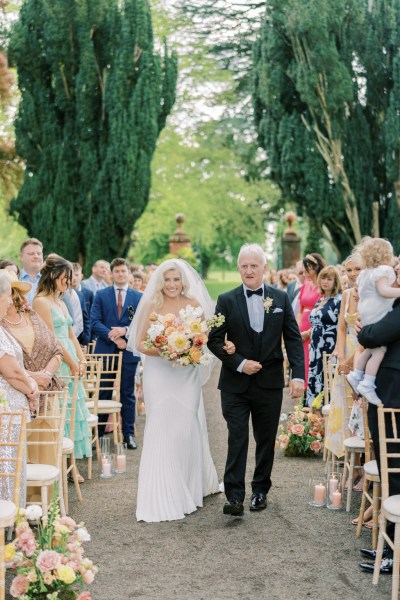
(377, 290)
(324, 324)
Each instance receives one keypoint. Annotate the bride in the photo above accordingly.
(176, 468)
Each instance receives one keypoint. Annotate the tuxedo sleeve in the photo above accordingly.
(384, 332)
(97, 326)
(216, 340)
(293, 342)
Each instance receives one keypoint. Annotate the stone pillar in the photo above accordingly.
(179, 239)
(290, 243)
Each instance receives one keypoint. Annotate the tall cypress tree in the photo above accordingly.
(94, 98)
(326, 100)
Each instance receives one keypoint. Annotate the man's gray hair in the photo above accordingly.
(5, 287)
(252, 249)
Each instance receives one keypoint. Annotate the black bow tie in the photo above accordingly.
(259, 292)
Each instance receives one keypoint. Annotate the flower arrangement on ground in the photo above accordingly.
(301, 434)
(50, 565)
(182, 339)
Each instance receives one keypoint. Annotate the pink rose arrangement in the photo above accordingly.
(182, 339)
(50, 564)
(301, 434)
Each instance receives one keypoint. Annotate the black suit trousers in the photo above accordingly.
(264, 407)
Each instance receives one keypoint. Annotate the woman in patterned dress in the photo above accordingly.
(324, 321)
(20, 393)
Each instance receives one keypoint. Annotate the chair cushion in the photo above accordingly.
(8, 511)
(371, 468)
(392, 506)
(92, 420)
(105, 405)
(354, 442)
(325, 409)
(68, 445)
(36, 472)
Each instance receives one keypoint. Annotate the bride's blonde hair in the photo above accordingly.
(158, 299)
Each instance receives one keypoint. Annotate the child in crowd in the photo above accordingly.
(377, 290)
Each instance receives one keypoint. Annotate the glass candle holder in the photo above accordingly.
(106, 466)
(317, 492)
(105, 445)
(334, 496)
(120, 458)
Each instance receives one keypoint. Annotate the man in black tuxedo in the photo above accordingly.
(251, 380)
(385, 332)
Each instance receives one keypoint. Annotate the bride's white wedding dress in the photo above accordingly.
(176, 468)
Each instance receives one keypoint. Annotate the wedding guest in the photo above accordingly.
(86, 299)
(293, 288)
(324, 322)
(309, 294)
(377, 293)
(31, 256)
(283, 279)
(112, 311)
(385, 332)
(56, 276)
(42, 353)
(10, 265)
(97, 280)
(18, 389)
(137, 280)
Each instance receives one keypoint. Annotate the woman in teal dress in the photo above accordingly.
(55, 278)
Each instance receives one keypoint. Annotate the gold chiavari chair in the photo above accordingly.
(91, 384)
(371, 475)
(389, 447)
(46, 433)
(68, 442)
(12, 444)
(110, 382)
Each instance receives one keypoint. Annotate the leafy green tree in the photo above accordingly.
(326, 100)
(204, 180)
(94, 98)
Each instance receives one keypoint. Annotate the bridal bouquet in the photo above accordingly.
(301, 434)
(182, 339)
(49, 565)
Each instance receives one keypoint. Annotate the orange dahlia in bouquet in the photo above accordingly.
(182, 339)
(301, 434)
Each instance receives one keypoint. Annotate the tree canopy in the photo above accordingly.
(94, 97)
(326, 101)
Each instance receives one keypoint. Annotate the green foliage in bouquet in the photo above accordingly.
(301, 434)
(49, 560)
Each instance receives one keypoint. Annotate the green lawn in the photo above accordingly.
(219, 282)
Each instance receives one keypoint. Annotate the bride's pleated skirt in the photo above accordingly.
(176, 468)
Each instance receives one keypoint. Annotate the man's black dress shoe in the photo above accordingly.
(258, 501)
(372, 553)
(386, 566)
(130, 442)
(234, 508)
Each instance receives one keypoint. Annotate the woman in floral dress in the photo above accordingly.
(324, 320)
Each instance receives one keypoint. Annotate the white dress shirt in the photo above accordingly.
(124, 289)
(256, 310)
(77, 310)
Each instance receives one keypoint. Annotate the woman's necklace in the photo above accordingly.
(14, 322)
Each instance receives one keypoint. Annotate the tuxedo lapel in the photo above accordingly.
(241, 300)
(267, 294)
(128, 301)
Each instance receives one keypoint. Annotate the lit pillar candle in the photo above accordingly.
(121, 463)
(106, 469)
(319, 493)
(336, 500)
(333, 485)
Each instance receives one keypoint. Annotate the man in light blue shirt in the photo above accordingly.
(31, 256)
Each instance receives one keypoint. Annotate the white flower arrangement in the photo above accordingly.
(268, 302)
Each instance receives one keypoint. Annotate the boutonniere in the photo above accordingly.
(268, 302)
(131, 312)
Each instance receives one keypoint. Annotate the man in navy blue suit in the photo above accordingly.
(112, 311)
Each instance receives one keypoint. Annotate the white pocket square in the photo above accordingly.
(277, 310)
